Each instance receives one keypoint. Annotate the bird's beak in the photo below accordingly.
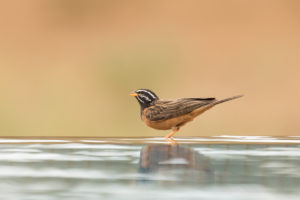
(133, 94)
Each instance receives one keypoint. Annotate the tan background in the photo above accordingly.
(67, 66)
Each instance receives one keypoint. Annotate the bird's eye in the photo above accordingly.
(144, 97)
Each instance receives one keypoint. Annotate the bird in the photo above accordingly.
(166, 114)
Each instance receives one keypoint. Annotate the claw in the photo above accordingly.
(169, 137)
(171, 140)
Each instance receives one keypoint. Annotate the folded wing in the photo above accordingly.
(166, 109)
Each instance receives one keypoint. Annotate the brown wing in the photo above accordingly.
(166, 109)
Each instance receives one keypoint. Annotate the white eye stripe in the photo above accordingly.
(140, 99)
(145, 97)
(151, 94)
(148, 92)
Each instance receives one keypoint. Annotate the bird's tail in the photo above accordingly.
(227, 99)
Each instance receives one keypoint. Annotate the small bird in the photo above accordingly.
(163, 114)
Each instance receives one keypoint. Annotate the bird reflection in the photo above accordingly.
(174, 160)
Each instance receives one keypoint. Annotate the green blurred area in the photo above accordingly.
(67, 67)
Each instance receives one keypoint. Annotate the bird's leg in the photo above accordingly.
(169, 137)
(175, 130)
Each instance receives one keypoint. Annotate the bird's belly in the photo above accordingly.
(176, 121)
(169, 123)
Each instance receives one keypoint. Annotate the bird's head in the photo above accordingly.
(145, 97)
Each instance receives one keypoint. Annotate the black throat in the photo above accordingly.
(144, 104)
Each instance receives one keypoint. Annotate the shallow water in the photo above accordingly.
(226, 167)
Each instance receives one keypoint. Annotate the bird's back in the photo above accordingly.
(167, 109)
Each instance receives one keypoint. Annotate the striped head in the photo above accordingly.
(145, 97)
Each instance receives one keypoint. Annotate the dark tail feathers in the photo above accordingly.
(227, 99)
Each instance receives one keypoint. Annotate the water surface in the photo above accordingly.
(227, 167)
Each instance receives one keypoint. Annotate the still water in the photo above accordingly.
(224, 167)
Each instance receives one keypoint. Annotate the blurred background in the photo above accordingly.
(67, 66)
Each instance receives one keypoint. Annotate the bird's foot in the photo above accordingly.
(171, 140)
